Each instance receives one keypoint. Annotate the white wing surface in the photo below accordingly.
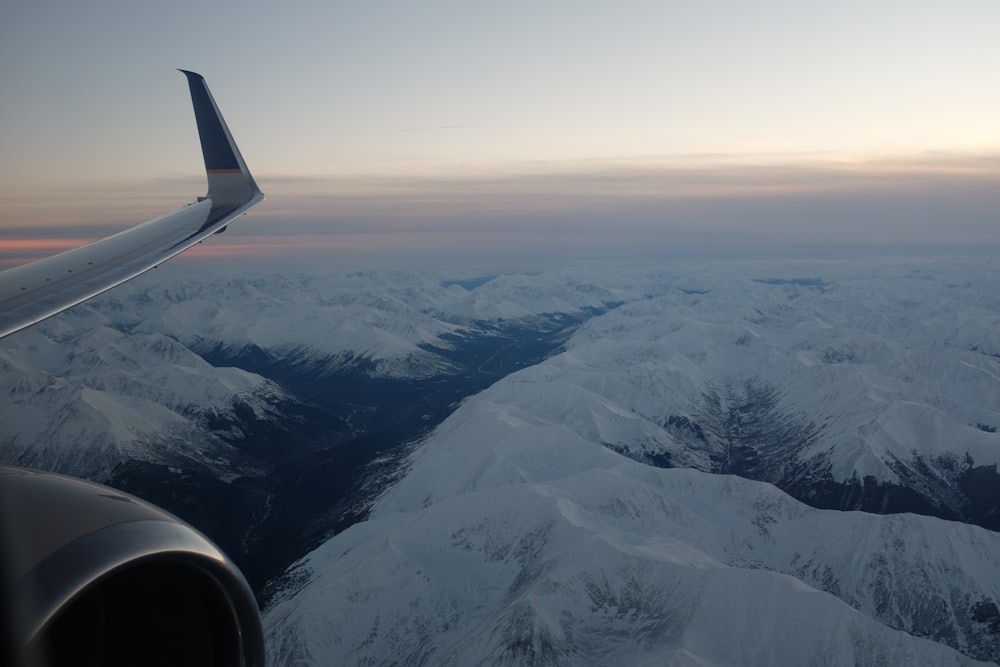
(33, 292)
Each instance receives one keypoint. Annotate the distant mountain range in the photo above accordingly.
(593, 466)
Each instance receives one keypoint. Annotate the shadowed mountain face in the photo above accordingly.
(322, 475)
(743, 431)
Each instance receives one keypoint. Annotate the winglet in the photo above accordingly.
(32, 292)
(229, 180)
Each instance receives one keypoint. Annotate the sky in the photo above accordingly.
(515, 134)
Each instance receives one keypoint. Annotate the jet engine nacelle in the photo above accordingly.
(99, 577)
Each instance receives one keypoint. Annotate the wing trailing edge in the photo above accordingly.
(33, 292)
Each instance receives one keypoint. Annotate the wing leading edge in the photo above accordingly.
(33, 292)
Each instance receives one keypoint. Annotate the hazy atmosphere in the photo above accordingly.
(569, 333)
(512, 136)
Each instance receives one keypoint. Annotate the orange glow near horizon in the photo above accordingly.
(41, 245)
(626, 200)
(14, 252)
(260, 246)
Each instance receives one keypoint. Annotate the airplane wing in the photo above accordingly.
(90, 575)
(33, 292)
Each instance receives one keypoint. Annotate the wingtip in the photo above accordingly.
(229, 180)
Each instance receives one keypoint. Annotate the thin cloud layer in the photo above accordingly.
(617, 208)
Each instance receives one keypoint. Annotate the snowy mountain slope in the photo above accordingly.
(573, 291)
(497, 440)
(317, 320)
(828, 382)
(623, 564)
(83, 403)
(892, 361)
(658, 380)
(520, 535)
(122, 378)
(386, 318)
(139, 389)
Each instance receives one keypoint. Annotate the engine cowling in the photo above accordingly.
(99, 577)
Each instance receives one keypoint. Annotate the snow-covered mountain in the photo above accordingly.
(249, 405)
(537, 525)
(125, 377)
(83, 400)
(386, 319)
(600, 560)
(863, 389)
(630, 499)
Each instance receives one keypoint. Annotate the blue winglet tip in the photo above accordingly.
(216, 148)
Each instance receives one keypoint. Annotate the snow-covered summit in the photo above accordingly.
(82, 403)
(572, 554)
